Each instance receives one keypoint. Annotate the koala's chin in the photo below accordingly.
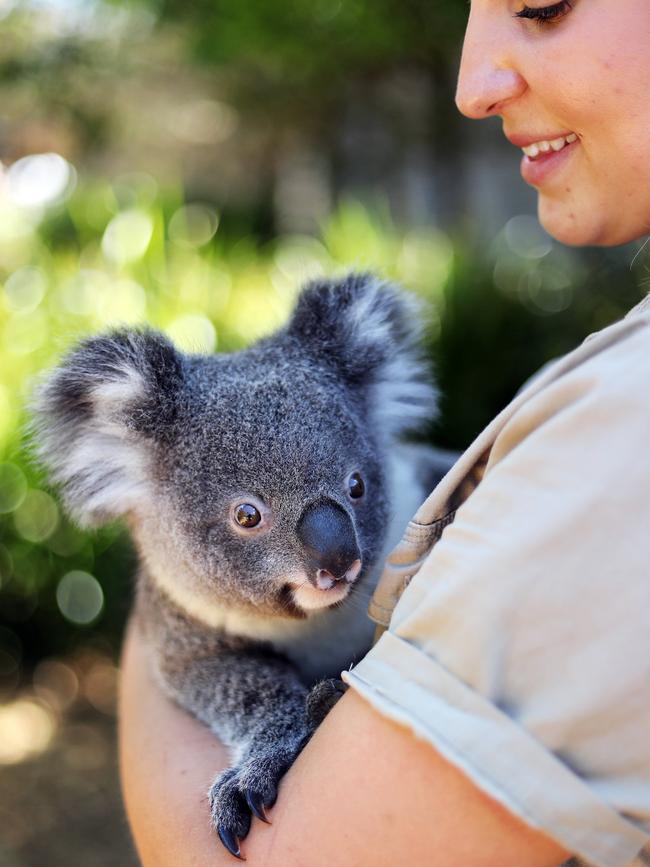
(311, 598)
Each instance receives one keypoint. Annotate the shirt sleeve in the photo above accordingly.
(521, 648)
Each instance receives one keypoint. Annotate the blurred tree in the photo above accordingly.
(302, 56)
(50, 78)
(319, 42)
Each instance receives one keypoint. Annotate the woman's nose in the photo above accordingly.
(488, 77)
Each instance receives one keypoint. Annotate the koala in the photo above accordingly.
(263, 490)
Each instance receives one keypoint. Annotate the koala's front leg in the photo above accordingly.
(257, 705)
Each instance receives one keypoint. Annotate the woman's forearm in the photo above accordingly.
(364, 792)
(167, 762)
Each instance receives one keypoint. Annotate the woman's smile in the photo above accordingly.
(543, 155)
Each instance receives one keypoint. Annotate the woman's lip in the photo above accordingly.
(524, 141)
(536, 172)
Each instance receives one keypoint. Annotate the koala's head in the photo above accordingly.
(255, 480)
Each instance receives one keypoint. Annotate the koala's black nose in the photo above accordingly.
(327, 533)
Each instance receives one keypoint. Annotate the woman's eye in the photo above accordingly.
(356, 486)
(546, 14)
(247, 515)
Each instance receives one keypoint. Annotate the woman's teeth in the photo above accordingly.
(543, 147)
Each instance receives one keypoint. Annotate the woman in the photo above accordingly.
(503, 718)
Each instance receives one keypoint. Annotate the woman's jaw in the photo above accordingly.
(581, 206)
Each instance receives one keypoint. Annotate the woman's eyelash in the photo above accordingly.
(546, 13)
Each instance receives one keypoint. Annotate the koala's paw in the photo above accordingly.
(248, 789)
(322, 699)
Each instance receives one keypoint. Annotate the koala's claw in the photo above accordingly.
(322, 699)
(248, 790)
(230, 814)
(257, 806)
(231, 842)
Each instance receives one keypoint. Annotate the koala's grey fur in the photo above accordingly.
(128, 426)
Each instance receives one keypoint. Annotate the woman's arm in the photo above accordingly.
(167, 763)
(363, 792)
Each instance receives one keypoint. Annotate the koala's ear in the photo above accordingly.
(96, 417)
(370, 332)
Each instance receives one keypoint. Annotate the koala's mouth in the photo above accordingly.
(323, 590)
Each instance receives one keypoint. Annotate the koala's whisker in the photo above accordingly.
(357, 601)
(363, 593)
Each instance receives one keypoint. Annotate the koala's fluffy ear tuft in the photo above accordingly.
(370, 331)
(96, 416)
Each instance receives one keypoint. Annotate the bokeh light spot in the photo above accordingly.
(526, 238)
(193, 333)
(25, 289)
(80, 597)
(100, 686)
(26, 729)
(56, 684)
(193, 225)
(13, 487)
(127, 236)
(37, 516)
(40, 180)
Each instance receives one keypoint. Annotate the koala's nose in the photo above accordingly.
(327, 534)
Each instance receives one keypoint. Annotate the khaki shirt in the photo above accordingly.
(518, 604)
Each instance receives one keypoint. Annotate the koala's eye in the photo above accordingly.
(247, 515)
(356, 486)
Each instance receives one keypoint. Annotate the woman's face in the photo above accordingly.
(582, 70)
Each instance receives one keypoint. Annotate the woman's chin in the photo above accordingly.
(583, 226)
(565, 223)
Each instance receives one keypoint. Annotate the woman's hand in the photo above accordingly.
(363, 792)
